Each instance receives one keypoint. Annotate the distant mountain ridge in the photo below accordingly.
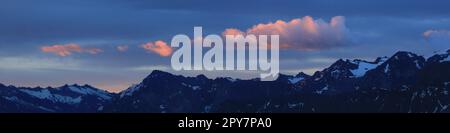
(404, 82)
(67, 98)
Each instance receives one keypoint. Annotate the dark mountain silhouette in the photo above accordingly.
(404, 82)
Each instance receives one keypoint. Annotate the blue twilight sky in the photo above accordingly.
(102, 42)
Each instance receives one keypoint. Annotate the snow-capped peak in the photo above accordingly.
(48, 95)
(439, 58)
(88, 90)
(297, 78)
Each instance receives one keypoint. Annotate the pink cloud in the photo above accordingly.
(122, 48)
(232, 31)
(159, 47)
(68, 49)
(436, 33)
(62, 50)
(93, 50)
(437, 39)
(304, 33)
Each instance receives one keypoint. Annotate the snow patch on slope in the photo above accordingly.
(45, 94)
(322, 90)
(446, 59)
(364, 66)
(386, 69)
(295, 80)
(130, 90)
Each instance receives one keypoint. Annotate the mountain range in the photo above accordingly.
(404, 82)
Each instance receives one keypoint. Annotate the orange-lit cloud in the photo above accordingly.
(159, 47)
(303, 33)
(68, 49)
(122, 48)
